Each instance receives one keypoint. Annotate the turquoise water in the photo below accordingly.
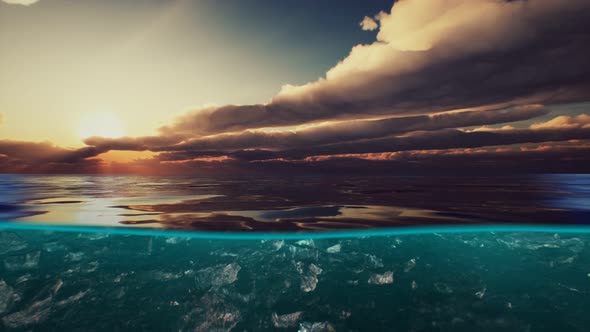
(102, 253)
(450, 279)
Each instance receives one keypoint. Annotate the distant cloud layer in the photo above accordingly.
(20, 2)
(452, 75)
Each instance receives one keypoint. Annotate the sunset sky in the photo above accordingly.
(179, 86)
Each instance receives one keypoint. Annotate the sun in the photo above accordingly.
(100, 124)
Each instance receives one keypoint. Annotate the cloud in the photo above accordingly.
(565, 121)
(132, 143)
(536, 158)
(44, 157)
(420, 140)
(368, 24)
(329, 133)
(20, 2)
(30, 150)
(433, 57)
(565, 158)
(443, 140)
(427, 132)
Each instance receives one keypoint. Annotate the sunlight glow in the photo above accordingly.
(100, 124)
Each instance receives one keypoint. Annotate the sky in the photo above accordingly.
(179, 86)
(147, 61)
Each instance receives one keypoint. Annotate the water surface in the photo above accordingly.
(293, 204)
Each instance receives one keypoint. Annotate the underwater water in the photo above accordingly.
(451, 281)
(130, 253)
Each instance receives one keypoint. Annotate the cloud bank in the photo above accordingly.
(432, 57)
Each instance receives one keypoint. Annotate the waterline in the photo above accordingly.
(339, 234)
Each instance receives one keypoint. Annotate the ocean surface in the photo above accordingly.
(293, 203)
(129, 253)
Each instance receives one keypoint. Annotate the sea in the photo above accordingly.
(303, 253)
